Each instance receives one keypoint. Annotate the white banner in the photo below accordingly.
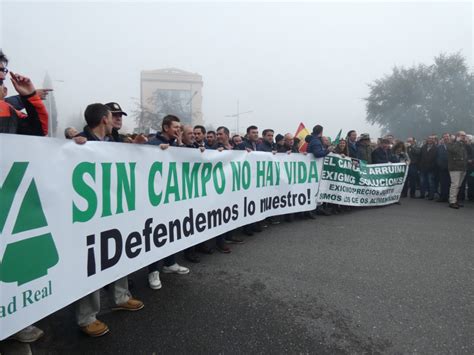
(75, 218)
(346, 181)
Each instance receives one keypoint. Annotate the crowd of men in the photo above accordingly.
(441, 168)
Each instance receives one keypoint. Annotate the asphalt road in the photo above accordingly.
(391, 280)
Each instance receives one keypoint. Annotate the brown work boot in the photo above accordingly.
(95, 329)
(131, 305)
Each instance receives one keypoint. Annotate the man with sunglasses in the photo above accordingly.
(15, 100)
(35, 122)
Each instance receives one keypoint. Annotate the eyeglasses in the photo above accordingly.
(4, 70)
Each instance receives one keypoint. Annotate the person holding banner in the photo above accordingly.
(267, 144)
(189, 141)
(316, 145)
(383, 154)
(364, 149)
(210, 139)
(342, 148)
(199, 136)
(170, 134)
(352, 143)
(280, 143)
(251, 139)
(99, 128)
(35, 122)
(117, 115)
(250, 144)
(289, 145)
(223, 143)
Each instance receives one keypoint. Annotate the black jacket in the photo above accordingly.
(87, 133)
(246, 144)
(427, 158)
(266, 147)
(159, 139)
(381, 156)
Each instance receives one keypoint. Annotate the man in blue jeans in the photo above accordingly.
(169, 135)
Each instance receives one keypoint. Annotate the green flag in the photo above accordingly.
(338, 138)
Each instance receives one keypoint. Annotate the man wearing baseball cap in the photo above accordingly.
(117, 114)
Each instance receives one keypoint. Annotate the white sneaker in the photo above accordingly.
(175, 269)
(28, 335)
(154, 280)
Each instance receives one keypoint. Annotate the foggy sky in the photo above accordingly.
(289, 63)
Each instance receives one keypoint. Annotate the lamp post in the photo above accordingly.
(237, 116)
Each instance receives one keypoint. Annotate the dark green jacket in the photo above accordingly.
(457, 156)
(364, 152)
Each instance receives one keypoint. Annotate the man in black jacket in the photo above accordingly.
(117, 115)
(427, 167)
(383, 154)
(99, 127)
(170, 133)
(267, 144)
(352, 143)
(250, 144)
(442, 165)
(289, 145)
(414, 155)
(251, 140)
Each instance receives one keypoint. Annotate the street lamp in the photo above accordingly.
(237, 115)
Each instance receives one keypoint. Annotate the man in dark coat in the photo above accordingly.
(316, 146)
(414, 155)
(99, 127)
(169, 135)
(364, 149)
(457, 164)
(383, 154)
(427, 167)
(267, 144)
(352, 143)
(442, 165)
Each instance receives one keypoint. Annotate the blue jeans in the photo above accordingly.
(168, 261)
(411, 181)
(427, 184)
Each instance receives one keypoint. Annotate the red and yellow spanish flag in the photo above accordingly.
(301, 134)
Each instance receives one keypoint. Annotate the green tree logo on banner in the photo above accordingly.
(28, 259)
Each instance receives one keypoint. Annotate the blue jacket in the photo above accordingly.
(352, 148)
(246, 144)
(266, 147)
(316, 147)
(159, 139)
